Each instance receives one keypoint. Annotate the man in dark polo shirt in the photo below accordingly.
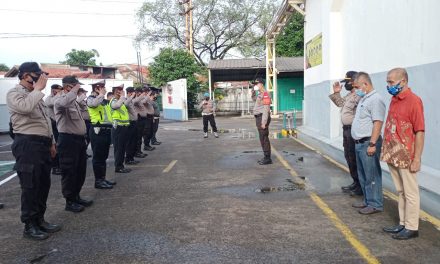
(33, 148)
(404, 138)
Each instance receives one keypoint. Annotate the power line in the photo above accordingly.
(62, 12)
(21, 35)
(113, 1)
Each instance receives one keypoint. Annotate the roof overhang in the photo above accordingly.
(282, 17)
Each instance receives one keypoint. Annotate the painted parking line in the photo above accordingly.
(8, 179)
(423, 215)
(170, 166)
(2, 152)
(362, 250)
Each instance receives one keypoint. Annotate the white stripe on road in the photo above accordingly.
(1, 152)
(170, 166)
(8, 179)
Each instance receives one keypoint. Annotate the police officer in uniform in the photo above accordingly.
(141, 123)
(262, 118)
(49, 101)
(33, 148)
(71, 145)
(148, 131)
(82, 102)
(121, 122)
(156, 116)
(130, 150)
(100, 134)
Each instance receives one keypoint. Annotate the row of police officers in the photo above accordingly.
(57, 133)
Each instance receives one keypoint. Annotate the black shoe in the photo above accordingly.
(103, 185)
(140, 155)
(349, 188)
(149, 148)
(33, 232)
(406, 234)
(265, 161)
(73, 206)
(56, 171)
(122, 170)
(357, 192)
(83, 202)
(156, 143)
(1, 206)
(132, 162)
(394, 229)
(48, 228)
(109, 182)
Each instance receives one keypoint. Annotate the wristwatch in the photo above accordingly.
(371, 144)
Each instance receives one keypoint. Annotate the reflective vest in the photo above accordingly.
(120, 116)
(100, 114)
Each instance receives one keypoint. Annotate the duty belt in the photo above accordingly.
(362, 140)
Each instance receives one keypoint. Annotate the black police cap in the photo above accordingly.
(31, 67)
(71, 79)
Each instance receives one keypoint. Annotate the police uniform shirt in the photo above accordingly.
(27, 111)
(140, 107)
(83, 106)
(208, 108)
(68, 114)
(149, 106)
(261, 108)
(95, 101)
(156, 110)
(131, 107)
(49, 102)
(348, 106)
(116, 104)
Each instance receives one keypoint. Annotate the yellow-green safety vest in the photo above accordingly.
(100, 114)
(120, 116)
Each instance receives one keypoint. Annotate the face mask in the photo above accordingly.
(256, 88)
(206, 98)
(34, 79)
(360, 93)
(394, 89)
(348, 86)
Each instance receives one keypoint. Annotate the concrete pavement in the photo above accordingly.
(196, 200)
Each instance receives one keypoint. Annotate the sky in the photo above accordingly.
(114, 18)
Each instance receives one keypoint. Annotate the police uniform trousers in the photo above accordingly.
(264, 134)
(350, 153)
(55, 161)
(130, 150)
(155, 128)
(73, 164)
(88, 125)
(119, 145)
(148, 130)
(100, 142)
(33, 165)
(211, 120)
(140, 127)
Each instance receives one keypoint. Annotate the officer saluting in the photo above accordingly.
(130, 150)
(71, 145)
(100, 134)
(33, 148)
(148, 131)
(49, 101)
(121, 121)
(156, 94)
(262, 118)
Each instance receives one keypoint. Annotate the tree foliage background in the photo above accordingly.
(220, 26)
(4, 67)
(290, 43)
(173, 64)
(81, 57)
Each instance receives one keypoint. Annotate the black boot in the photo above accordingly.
(33, 232)
(83, 202)
(267, 160)
(73, 206)
(102, 184)
(349, 188)
(47, 227)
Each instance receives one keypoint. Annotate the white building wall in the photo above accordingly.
(375, 36)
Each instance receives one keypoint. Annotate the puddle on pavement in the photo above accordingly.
(288, 187)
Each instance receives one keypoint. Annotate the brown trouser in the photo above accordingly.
(409, 198)
(263, 134)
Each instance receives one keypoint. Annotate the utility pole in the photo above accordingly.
(188, 13)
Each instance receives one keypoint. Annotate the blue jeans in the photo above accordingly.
(370, 174)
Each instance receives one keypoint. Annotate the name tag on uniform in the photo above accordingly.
(393, 129)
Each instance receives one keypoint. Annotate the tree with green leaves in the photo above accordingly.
(173, 64)
(4, 67)
(81, 57)
(290, 43)
(219, 27)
